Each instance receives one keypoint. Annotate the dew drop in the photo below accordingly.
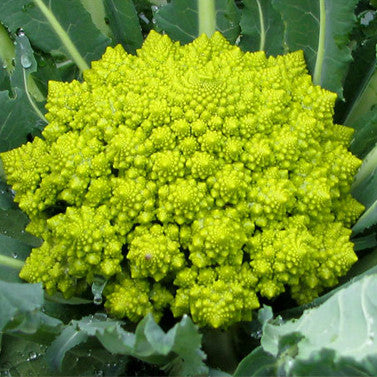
(256, 334)
(20, 32)
(143, 18)
(98, 373)
(32, 356)
(25, 61)
(97, 299)
(5, 66)
(154, 21)
(154, 8)
(15, 255)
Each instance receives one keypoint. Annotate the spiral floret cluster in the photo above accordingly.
(196, 179)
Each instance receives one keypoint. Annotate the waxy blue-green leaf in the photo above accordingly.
(72, 17)
(227, 19)
(21, 310)
(124, 24)
(149, 343)
(344, 323)
(321, 28)
(20, 115)
(262, 28)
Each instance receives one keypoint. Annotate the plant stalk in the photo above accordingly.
(11, 262)
(64, 37)
(317, 76)
(207, 17)
(262, 42)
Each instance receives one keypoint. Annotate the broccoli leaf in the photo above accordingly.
(124, 24)
(257, 363)
(20, 116)
(363, 42)
(22, 357)
(337, 338)
(344, 323)
(320, 363)
(365, 136)
(70, 14)
(12, 255)
(321, 28)
(262, 28)
(227, 19)
(21, 310)
(178, 349)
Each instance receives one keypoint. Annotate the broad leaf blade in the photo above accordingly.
(262, 27)
(257, 363)
(20, 310)
(344, 323)
(72, 16)
(68, 339)
(124, 23)
(179, 347)
(227, 19)
(303, 23)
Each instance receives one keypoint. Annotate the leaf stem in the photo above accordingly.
(64, 37)
(207, 17)
(317, 76)
(11, 262)
(32, 103)
(262, 28)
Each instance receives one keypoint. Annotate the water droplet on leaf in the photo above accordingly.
(15, 255)
(32, 356)
(26, 61)
(154, 8)
(97, 299)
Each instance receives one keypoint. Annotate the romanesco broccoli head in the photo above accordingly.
(196, 179)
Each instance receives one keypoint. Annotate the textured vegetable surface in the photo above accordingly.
(196, 178)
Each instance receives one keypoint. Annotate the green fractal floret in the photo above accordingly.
(196, 179)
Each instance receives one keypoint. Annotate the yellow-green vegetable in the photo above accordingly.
(195, 178)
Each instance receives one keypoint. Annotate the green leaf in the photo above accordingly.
(124, 24)
(21, 357)
(227, 19)
(321, 28)
(365, 136)
(20, 116)
(364, 41)
(17, 120)
(96, 9)
(20, 310)
(66, 340)
(7, 52)
(344, 323)
(13, 223)
(257, 363)
(366, 220)
(365, 242)
(180, 346)
(326, 363)
(6, 196)
(12, 255)
(74, 20)
(262, 27)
